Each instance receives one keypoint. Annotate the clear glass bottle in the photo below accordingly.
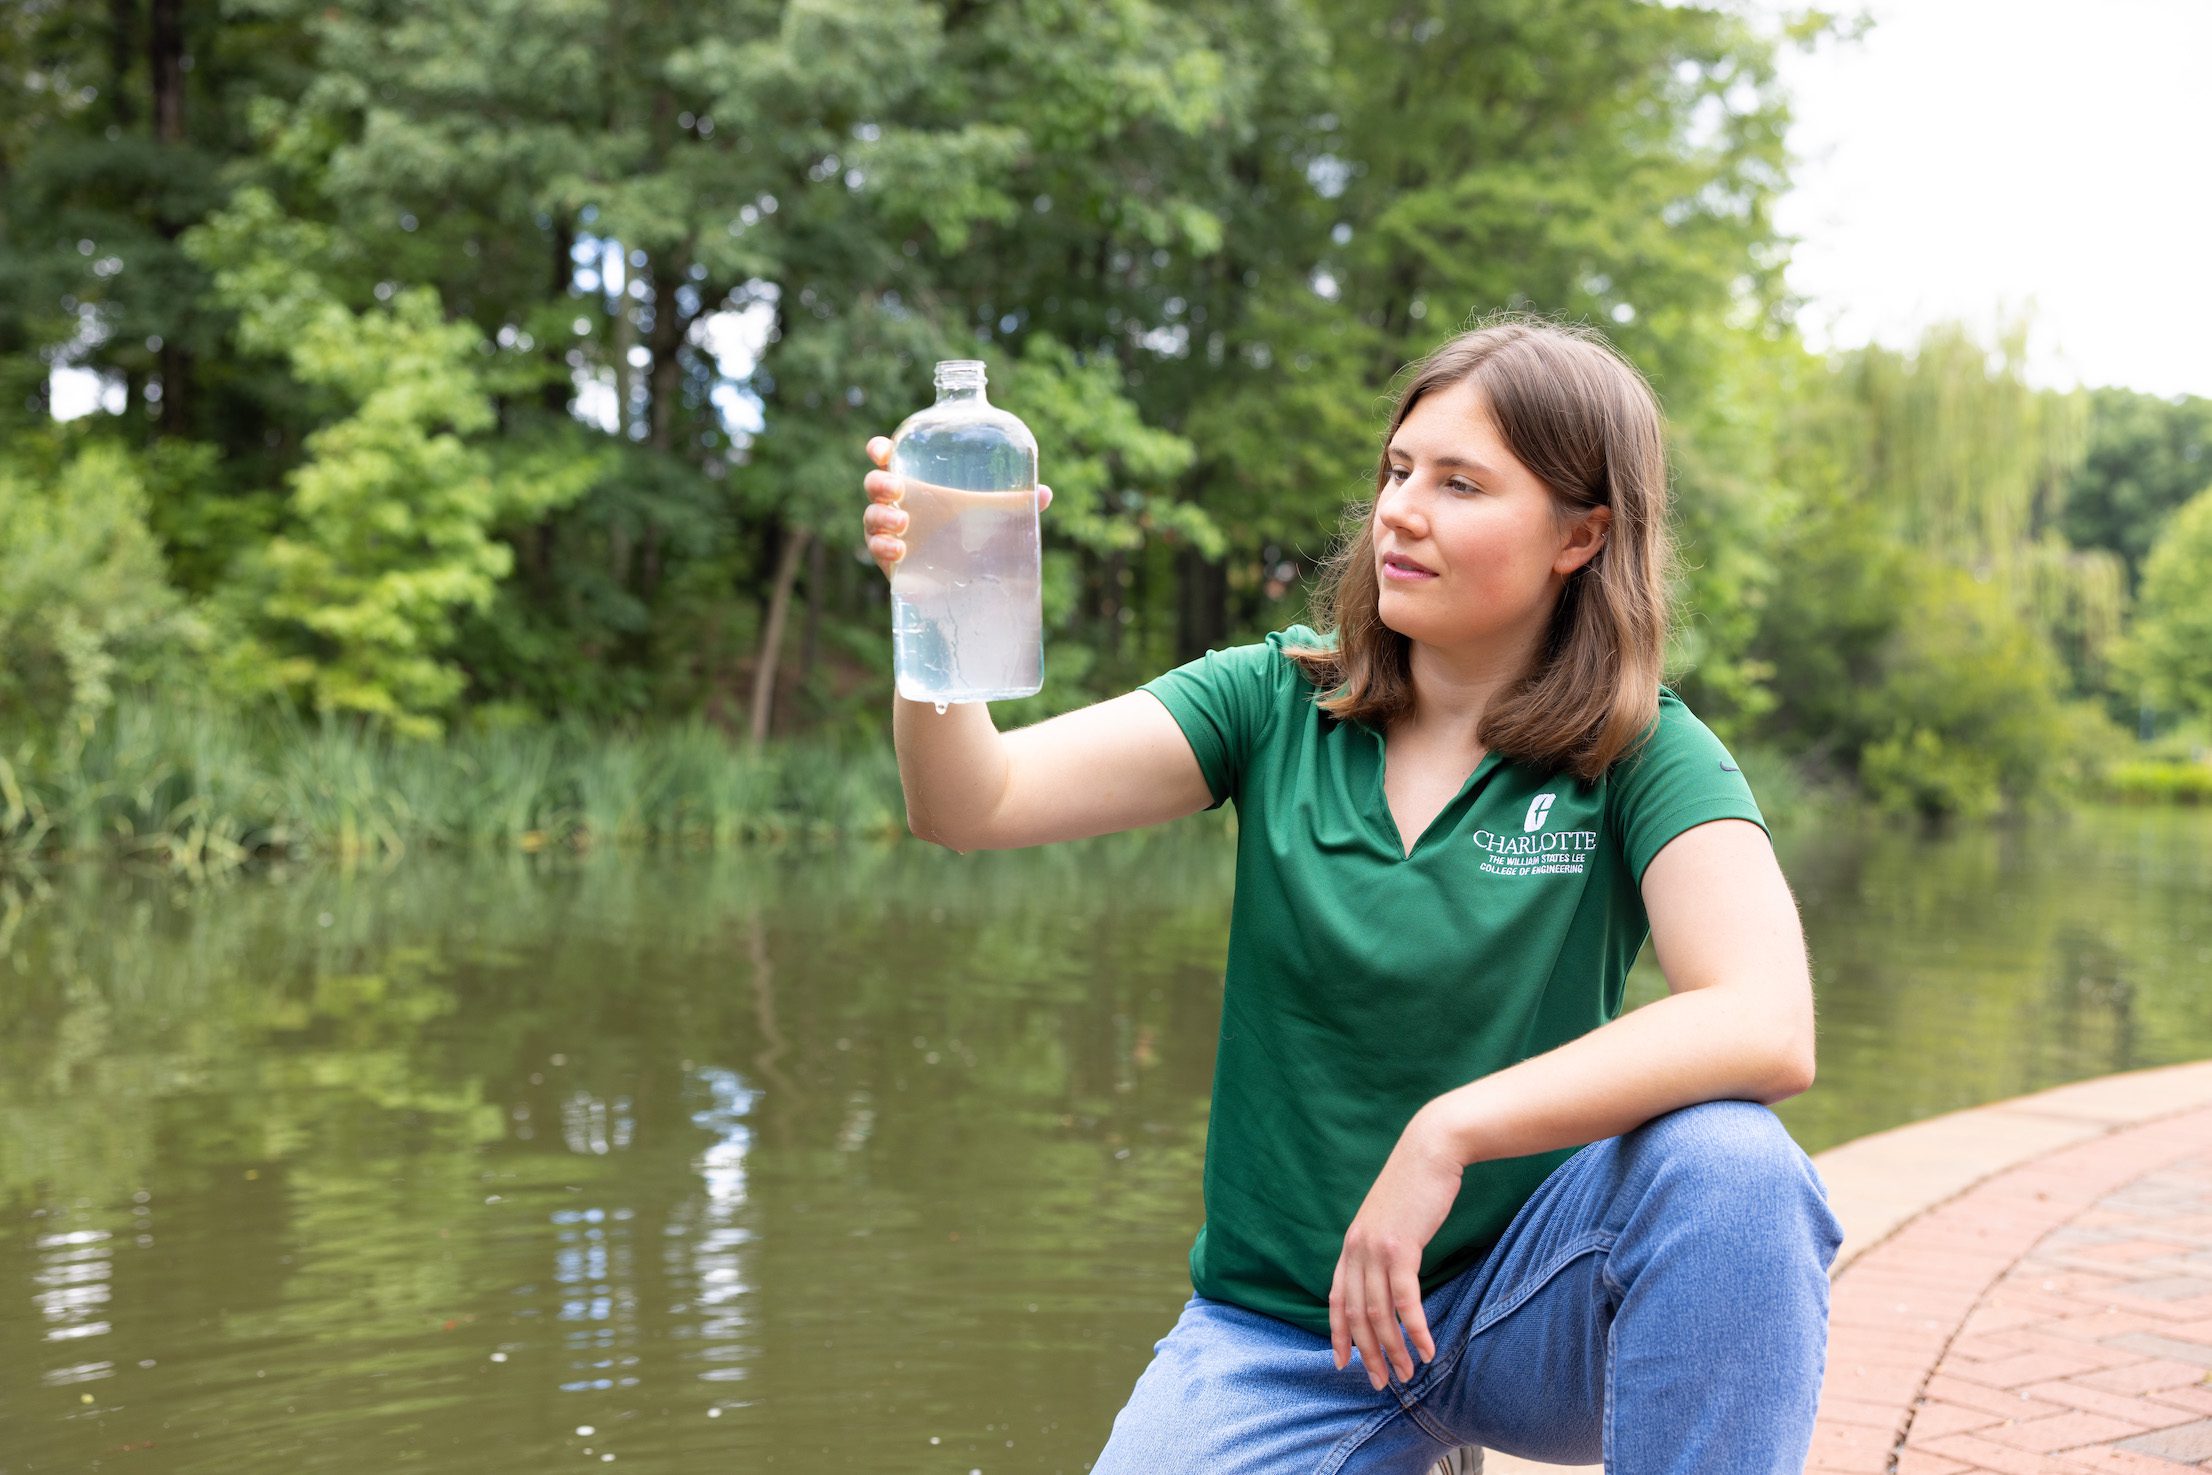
(967, 611)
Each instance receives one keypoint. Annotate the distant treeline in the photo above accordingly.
(467, 368)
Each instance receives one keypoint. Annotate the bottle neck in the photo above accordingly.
(959, 379)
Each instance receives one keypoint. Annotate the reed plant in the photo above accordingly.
(198, 787)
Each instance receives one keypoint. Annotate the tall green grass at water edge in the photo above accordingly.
(203, 788)
(2161, 781)
(196, 787)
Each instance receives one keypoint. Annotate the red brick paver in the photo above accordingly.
(2052, 1319)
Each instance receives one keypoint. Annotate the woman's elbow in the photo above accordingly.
(921, 829)
(959, 843)
(1792, 1072)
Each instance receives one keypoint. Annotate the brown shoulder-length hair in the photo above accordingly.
(1586, 422)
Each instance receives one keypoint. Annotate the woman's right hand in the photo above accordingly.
(885, 521)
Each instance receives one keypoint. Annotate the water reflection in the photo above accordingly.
(884, 1159)
(73, 1296)
(712, 1229)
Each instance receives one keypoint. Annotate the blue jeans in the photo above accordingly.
(1660, 1302)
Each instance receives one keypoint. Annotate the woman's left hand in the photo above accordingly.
(1378, 1277)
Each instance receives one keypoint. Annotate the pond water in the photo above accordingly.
(878, 1159)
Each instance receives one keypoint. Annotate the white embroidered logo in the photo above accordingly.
(1537, 851)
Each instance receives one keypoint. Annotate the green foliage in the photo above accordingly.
(2145, 457)
(1110, 470)
(493, 365)
(1911, 640)
(1969, 708)
(1915, 772)
(1966, 458)
(2169, 655)
(389, 528)
(85, 602)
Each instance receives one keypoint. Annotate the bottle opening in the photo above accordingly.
(960, 373)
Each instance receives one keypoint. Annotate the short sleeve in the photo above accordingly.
(1681, 777)
(1224, 701)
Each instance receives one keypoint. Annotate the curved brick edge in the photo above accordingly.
(1955, 1341)
(1882, 1182)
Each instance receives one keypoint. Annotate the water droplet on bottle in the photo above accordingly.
(940, 709)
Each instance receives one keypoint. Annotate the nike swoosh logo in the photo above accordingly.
(1727, 767)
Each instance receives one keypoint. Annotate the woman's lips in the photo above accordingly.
(1404, 574)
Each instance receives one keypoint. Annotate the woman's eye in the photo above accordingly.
(1395, 473)
(1463, 486)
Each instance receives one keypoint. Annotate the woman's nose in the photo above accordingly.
(1398, 507)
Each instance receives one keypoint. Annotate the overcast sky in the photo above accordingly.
(1970, 156)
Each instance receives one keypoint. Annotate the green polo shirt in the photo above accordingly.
(1364, 982)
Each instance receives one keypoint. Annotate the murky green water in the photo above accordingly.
(880, 1160)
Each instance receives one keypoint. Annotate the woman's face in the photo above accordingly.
(1456, 502)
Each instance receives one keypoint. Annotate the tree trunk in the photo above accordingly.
(664, 388)
(622, 336)
(558, 390)
(1111, 601)
(539, 544)
(122, 29)
(1201, 605)
(817, 591)
(771, 636)
(165, 55)
(664, 381)
(165, 50)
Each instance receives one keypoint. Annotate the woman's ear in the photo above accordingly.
(1585, 540)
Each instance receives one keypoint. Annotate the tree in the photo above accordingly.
(389, 527)
(2145, 457)
(1604, 160)
(2170, 650)
(1911, 643)
(123, 117)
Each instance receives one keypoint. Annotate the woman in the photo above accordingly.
(1453, 1195)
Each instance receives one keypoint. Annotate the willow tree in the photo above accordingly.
(1916, 639)
(1964, 454)
(1970, 463)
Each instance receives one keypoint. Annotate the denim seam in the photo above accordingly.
(1349, 1445)
(1605, 1425)
(1600, 1240)
(1420, 1415)
(1605, 1437)
(1595, 1241)
(1605, 1274)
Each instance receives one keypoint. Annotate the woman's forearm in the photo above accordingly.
(1703, 1044)
(950, 766)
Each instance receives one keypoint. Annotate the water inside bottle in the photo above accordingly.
(964, 600)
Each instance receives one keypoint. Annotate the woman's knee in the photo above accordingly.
(1734, 1138)
(1733, 1155)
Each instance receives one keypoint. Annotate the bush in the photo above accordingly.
(85, 601)
(1915, 771)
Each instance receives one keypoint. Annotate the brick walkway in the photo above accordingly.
(2024, 1288)
(2055, 1316)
